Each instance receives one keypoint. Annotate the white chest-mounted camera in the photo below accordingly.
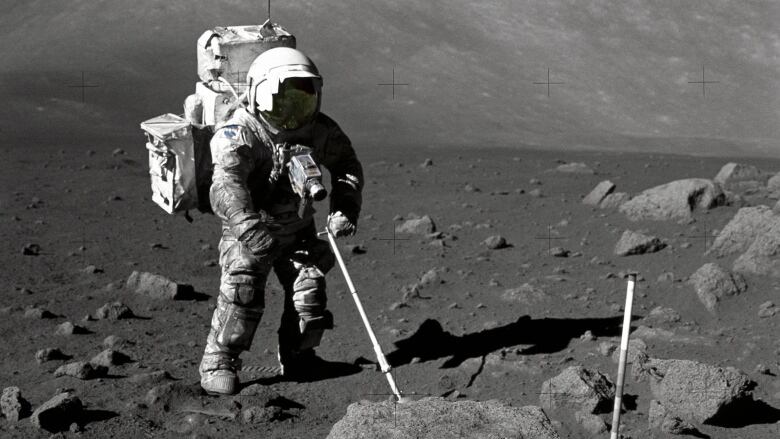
(303, 172)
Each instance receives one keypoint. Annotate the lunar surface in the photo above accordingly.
(529, 159)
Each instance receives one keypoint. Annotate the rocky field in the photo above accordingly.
(495, 280)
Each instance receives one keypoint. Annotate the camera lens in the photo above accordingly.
(317, 190)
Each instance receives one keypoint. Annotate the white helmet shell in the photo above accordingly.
(270, 69)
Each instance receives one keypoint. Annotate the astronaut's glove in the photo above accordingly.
(340, 225)
(259, 240)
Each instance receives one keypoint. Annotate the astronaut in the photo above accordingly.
(265, 227)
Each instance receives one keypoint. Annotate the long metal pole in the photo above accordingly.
(380, 356)
(623, 355)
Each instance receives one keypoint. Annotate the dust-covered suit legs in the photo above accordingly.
(300, 266)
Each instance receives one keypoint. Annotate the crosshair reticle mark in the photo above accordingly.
(393, 83)
(548, 83)
(705, 237)
(394, 239)
(703, 82)
(549, 238)
(83, 86)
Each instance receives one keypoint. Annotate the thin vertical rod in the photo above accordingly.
(623, 355)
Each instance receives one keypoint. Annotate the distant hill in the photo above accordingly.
(470, 66)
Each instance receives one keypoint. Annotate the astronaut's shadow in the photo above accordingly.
(546, 335)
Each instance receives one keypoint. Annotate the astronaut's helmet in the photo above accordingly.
(284, 88)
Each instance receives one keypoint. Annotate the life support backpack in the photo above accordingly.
(179, 150)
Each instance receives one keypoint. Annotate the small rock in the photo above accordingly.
(525, 294)
(39, 313)
(665, 277)
(427, 163)
(50, 354)
(114, 311)
(81, 370)
(356, 249)
(659, 418)
(13, 406)
(636, 354)
(31, 250)
(634, 243)
(495, 242)
(535, 181)
(115, 342)
(118, 151)
(559, 252)
(261, 415)
(57, 413)
(471, 188)
(536, 193)
(109, 358)
(417, 226)
(156, 286)
(606, 348)
(576, 387)
(767, 309)
(211, 263)
(712, 284)
(591, 423)
(68, 328)
(91, 269)
(397, 305)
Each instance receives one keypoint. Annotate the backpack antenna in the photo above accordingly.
(268, 21)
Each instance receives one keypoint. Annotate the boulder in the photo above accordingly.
(773, 185)
(635, 243)
(763, 255)
(733, 173)
(58, 413)
(699, 392)
(575, 168)
(614, 200)
(578, 388)
(742, 230)
(157, 286)
(712, 283)
(81, 370)
(13, 406)
(674, 201)
(438, 418)
(599, 193)
(417, 226)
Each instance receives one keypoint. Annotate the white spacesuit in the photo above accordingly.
(264, 226)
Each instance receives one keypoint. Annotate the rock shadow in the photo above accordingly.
(187, 292)
(747, 412)
(546, 335)
(88, 416)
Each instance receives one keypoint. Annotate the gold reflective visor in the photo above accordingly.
(294, 104)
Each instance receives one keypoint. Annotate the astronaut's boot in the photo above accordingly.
(296, 355)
